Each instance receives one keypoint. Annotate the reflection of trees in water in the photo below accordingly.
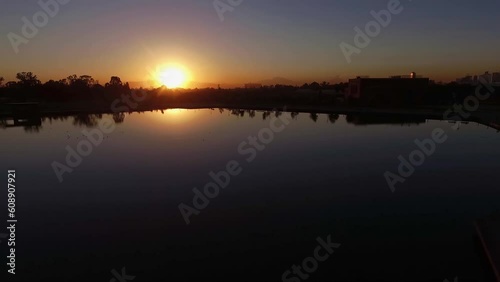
(91, 120)
(54, 118)
(119, 117)
(389, 119)
(332, 118)
(314, 117)
(30, 124)
(32, 129)
(266, 114)
(251, 113)
(238, 113)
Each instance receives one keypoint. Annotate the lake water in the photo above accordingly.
(321, 175)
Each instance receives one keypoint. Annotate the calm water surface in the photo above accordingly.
(119, 208)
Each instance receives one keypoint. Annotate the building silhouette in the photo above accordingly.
(397, 90)
(496, 78)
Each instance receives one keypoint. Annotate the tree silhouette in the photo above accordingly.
(71, 79)
(84, 81)
(1, 80)
(315, 86)
(11, 84)
(28, 79)
(87, 80)
(54, 86)
(114, 81)
(80, 84)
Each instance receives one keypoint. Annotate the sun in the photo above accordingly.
(172, 77)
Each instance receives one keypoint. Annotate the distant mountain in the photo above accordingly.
(197, 84)
(278, 80)
(191, 84)
(338, 79)
(139, 84)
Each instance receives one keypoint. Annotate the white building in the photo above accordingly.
(496, 78)
(488, 77)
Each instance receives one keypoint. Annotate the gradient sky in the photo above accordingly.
(260, 39)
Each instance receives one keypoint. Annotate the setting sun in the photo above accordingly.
(172, 77)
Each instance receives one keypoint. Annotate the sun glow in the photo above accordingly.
(172, 77)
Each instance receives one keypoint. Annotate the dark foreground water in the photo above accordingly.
(321, 176)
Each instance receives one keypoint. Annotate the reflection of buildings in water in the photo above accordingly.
(24, 115)
(20, 122)
(33, 123)
(30, 124)
(378, 119)
(495, 126)
(491, 120)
